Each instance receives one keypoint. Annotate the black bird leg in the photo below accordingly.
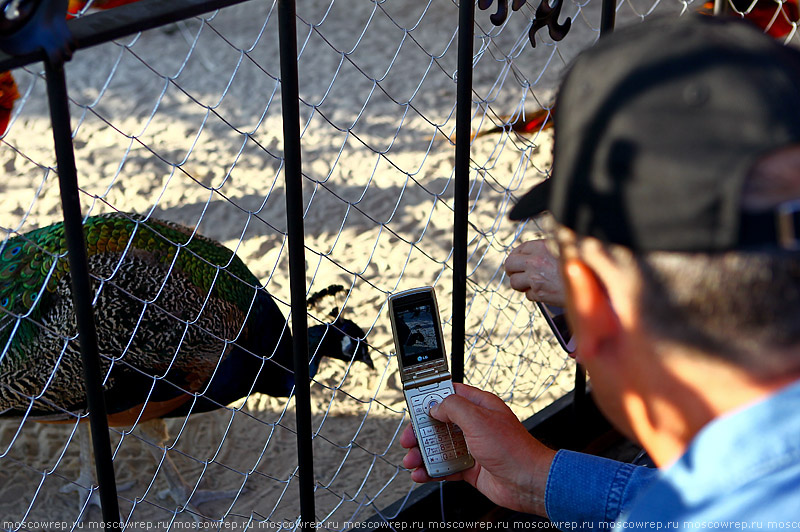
(87, 480)
(155, 430)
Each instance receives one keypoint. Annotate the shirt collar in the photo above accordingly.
(740, 446)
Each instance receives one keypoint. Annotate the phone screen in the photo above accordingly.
(417, 333)
(556, 318)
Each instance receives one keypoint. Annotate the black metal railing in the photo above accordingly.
(293, 174)
(81, 287)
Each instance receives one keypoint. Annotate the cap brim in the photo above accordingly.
(534, 202)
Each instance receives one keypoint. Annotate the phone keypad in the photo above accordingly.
(442, 441)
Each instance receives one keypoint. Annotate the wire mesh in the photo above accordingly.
(183, 123)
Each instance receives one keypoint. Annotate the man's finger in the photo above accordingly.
(420, 475)
(519, 282)
(407, 438)
(412, 459)
(456, 409)
(471, 417)
(480, 397)
(514, 263)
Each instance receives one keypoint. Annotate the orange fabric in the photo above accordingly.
(129, 417)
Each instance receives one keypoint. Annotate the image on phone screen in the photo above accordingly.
(417, 334)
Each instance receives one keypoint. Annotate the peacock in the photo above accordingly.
(183, 327)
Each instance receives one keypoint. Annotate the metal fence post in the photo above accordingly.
(287, 24)
(466, 32)
(608, 16)
(81, 288)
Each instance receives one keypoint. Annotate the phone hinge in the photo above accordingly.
(418, 382)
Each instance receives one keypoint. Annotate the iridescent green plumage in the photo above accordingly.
(173, 309)
(31, 259)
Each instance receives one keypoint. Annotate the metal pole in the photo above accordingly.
(608, 14)
(466, 31)
(290, 96)
(81, 288)
(122, 21)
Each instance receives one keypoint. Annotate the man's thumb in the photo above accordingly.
(448, 409)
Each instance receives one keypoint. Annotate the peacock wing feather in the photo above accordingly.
(168, 304)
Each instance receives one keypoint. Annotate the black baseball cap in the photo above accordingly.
(657, 127)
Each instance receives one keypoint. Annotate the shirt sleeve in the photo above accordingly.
(584, 490)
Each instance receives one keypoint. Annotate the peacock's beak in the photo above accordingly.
(362, 355)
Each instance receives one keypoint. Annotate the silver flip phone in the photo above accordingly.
(426, 379)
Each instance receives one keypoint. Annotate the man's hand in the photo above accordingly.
(511, 466)
(534, 270)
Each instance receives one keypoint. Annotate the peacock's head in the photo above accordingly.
(342, 339)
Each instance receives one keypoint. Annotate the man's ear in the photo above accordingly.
(592, 312)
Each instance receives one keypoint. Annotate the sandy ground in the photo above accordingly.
(184, 123)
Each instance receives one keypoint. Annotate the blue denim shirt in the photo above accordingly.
(741, 471)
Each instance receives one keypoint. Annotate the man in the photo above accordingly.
(675, 187)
